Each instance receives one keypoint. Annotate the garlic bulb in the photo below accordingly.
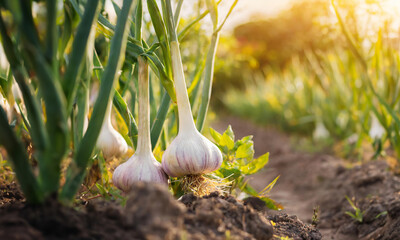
(190, 153)
(377, 130)
(4, 104)
(110, 141)
(320, 131)
(142, 166)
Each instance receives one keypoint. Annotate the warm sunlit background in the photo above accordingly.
(290, 64)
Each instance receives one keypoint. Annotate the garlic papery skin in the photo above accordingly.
(190, 153)
(110, 141)
(18, 99)
(142, 166)
(4, 104)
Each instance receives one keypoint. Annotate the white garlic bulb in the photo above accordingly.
(142, 166)
(110, 141)
(190, 153)
(377, 130)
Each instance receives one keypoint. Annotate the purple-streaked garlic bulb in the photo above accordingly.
(190, 153)
(142, 166)
(110, 142)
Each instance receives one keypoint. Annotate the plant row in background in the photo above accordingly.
(70, 67)
(349, 93)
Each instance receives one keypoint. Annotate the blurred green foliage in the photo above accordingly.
(273, 42)
(345, 87)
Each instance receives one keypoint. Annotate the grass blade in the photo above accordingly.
(207, 85)
(157, 126)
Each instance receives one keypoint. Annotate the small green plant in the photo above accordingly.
(315, 216)
(358, 214)
(384, 213)
(239, 162)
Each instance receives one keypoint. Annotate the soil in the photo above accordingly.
(150, 213)
(306, 181)
(314, 186)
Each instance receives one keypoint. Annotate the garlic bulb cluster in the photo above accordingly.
(110, 141)
(142, 166)
(4, 104)
(190, 153)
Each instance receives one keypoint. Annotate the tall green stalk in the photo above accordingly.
(37, 131)
(20, 162)
(79, 46)
(207, 84)
(209, 70)
(56, 124)
(85, 149)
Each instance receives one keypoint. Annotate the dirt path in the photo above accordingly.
(310, 180)
(301, 174)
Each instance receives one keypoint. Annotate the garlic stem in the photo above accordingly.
(141, 166)
(144, 144)
(186, 122)
(110, 141)
(107, 117)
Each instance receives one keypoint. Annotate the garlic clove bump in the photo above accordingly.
(191, 156)
(190, 153)
(138, 168)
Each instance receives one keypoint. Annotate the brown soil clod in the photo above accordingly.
(151, 212)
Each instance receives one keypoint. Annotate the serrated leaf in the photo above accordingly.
(230, 133)
(227, 141)
(215, 135)
(232, 173)
(244, 140)
(255, 165)
(247, 138)
(245, 150)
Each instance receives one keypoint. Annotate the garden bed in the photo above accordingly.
(315, 186)
(307, 181)
(150, 213)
